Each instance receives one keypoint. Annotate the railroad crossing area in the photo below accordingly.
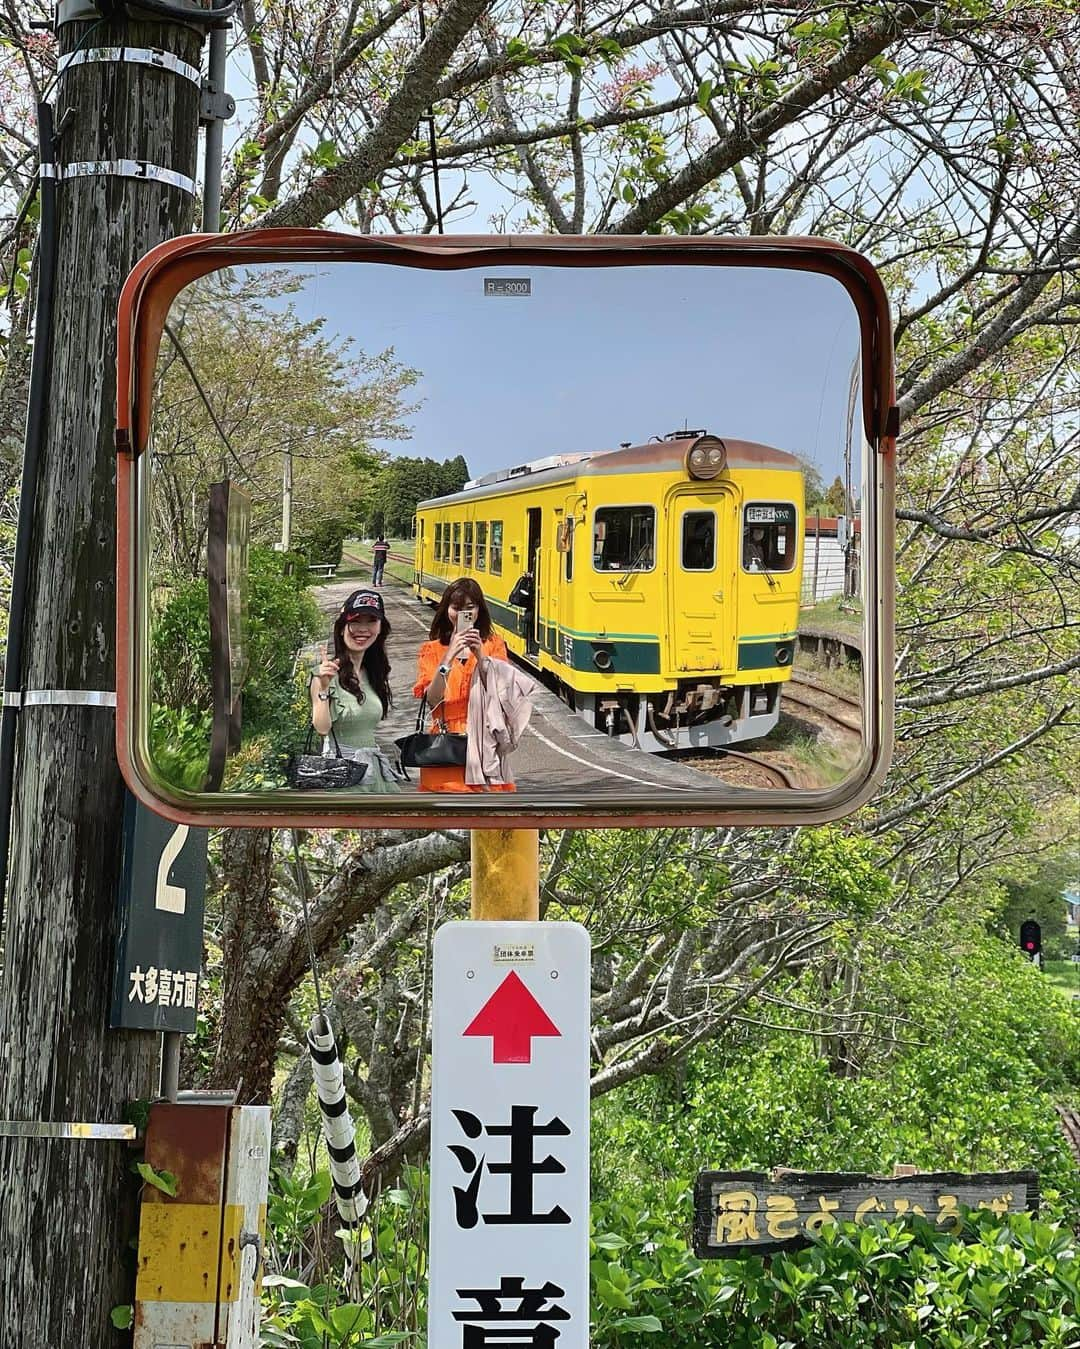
(559, 751)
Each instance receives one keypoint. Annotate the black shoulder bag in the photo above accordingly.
(318, 772)
(438, 748)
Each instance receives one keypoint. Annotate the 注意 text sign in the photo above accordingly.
(750, 1211)
(510, 1136)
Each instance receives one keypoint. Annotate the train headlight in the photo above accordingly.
(706, 458)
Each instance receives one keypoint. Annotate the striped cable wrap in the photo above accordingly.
(337, 1124)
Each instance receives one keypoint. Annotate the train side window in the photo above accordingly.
(699, 541)
(457, 544)
(769, 539)
(624, 538)
(496, 547)
(468, 543)
(481, 545)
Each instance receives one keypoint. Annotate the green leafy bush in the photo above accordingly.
(384, 1304)
(887, 1286)
(1008, 1281)
(180, 745)
(323, 541)
(282, 617)
(963, 1059)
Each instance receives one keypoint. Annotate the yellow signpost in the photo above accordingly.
(506, 874)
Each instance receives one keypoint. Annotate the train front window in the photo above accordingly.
(769, 539)
(624, 538)
(481, 545)
(699, 541)
(496, 547)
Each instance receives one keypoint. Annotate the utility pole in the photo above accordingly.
(286, 503)
(126, 127)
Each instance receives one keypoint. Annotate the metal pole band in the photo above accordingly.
(130, 168)
(36, 1128)
(140, 56)
(62, 697)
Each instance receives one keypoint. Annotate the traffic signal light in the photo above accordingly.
(1030, 938)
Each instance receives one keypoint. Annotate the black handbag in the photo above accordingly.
(434, 749)
(308, 772)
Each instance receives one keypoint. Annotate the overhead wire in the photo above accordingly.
(206, 400)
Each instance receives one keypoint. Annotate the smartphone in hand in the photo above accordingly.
(466, 619)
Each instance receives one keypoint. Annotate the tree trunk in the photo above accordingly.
(254, 999)
(67, 1209)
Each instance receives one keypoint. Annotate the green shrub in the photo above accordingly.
(1008, 1281)
(886, 1286)
(282, 617)
(323, 541)
(180, 746)
(968, 1052)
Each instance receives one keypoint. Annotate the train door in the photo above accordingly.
(533, 563)
(554, 560)
(702, 560)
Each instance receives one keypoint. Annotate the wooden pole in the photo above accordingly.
(506, 874)
(67, 1210)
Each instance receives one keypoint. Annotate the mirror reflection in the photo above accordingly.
(543, 529)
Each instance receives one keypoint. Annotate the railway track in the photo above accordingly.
(741, 770)
(826, 704)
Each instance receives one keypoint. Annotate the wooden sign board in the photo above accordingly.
(752, 1212)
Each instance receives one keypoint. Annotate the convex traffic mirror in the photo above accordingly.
(607, 522)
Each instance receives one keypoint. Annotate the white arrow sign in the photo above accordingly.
(510, 1137)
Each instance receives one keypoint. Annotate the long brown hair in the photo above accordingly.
(376, 663)
(465, 594)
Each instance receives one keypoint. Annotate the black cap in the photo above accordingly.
(363, 602)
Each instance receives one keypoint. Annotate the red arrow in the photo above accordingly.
(511, 1016)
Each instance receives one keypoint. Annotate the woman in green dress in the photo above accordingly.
(350, 691)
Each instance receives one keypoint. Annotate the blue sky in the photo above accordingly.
(595, 357)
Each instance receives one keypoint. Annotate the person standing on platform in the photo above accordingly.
(462, 639)
(380, 550)
(350, 690)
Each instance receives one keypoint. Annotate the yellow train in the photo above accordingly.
(655, 586)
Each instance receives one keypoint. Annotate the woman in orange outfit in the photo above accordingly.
(445, 667)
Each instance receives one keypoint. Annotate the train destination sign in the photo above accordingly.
(510, 1136)
(749, 1212)
(661, 492)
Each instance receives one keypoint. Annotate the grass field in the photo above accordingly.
(1064, 975)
